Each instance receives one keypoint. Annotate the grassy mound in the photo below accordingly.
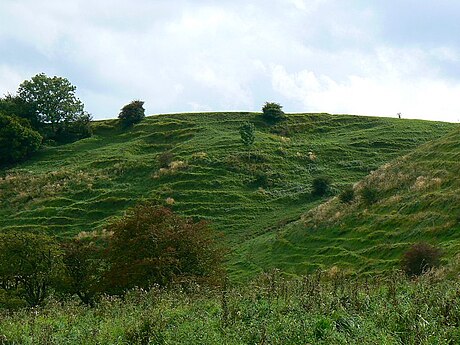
(65, 190)
(414, 198)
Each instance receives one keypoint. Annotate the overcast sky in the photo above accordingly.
(374, 57)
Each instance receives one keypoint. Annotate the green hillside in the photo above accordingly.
(67, 189)
(417, 198)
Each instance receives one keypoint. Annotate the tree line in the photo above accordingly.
(46, 109)
(149, 246)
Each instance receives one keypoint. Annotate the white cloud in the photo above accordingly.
(9, 79)
(424, 98)
(321, 55)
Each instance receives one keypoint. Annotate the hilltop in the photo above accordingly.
(414, 198)
(80, 187)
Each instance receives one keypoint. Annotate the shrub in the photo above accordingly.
(29, 264)
(370, 195)
(282, 129)
(14, 105)
(321, 186)
(78, 129)
(165, 159)
(17, 139)
(347, 195)
(261, 179)
(273, 112)
(247, 132)
(132, 113)
(420, 258)
(152, 245)
(84, 268)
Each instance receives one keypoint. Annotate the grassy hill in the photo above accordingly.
(67, 189)
(414, 198)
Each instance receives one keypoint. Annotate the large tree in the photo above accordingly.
(54, 102)
(153, 245)
(29, 264)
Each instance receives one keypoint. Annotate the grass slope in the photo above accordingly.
(78, 187)
(417, 199)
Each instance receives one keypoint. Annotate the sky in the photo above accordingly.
(364, 57)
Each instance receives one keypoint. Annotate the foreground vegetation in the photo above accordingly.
(322, 308)
(149, 246)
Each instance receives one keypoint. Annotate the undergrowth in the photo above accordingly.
(327, 307)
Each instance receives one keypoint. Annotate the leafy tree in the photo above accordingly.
(17, 139)
(14, 105)
(54, 102)
(247, 132)
(273, 112)
(84, 267)
(419, 258)
(132, 113)
(30, 264)
(78, 129)
(152, 245)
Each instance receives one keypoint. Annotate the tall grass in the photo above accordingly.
(322, 308)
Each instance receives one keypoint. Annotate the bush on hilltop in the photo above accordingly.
(132, 113)
(273, 112)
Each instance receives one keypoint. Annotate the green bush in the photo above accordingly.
(273, 112)
(321, 186)
(347, 195)
(165, 158)
(370, 195)
(132, 113)
(17, 139)
(79, 128)
(13, 105)
(247, 132)
(261, 179)
(420, 258)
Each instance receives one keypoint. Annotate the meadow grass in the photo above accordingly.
(327, 307)
(416, 198)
